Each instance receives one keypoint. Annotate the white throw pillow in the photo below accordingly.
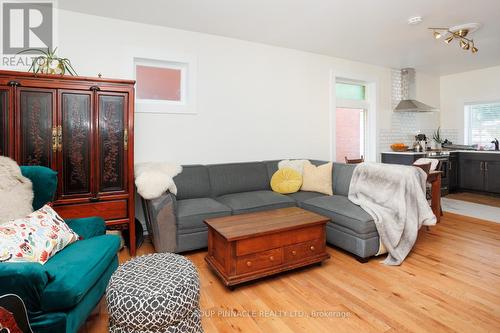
(16, 191)
(297, 165)
(35, 238)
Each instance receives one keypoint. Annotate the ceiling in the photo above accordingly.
(371, 31)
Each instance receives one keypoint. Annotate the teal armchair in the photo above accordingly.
(60, 295)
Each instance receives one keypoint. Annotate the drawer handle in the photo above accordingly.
(271, 258)
(312, 248)
(249, 263)
(294, 253)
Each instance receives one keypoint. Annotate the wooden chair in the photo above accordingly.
(354, 160)
(427, 168)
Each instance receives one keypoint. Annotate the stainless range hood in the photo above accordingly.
(408, 93)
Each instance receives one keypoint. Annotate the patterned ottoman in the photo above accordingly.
(154, 293)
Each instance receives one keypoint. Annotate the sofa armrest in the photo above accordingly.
(87, 227)
(26, 280)
(161, 221)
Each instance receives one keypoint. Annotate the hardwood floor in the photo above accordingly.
(449, 283)
(482, 199)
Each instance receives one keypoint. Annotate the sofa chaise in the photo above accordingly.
(206, 191)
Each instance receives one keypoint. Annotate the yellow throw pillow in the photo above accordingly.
(286, 181)
(317, 178)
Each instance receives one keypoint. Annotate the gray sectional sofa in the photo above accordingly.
(205, 191)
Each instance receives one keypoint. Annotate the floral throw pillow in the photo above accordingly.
(35, 238)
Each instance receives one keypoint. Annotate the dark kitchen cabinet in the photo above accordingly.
(479, 172)
(471, 173)
(405, 159)
(83, 129)
(492, 175)
(453, 172)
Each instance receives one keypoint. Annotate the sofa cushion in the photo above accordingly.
(87, 227)
(247, 202)
(317, 178)
(36, 237)
(342, 212)
(192, 212)
(25, 279)
(271, 167)
(192, 182)
(76, 269)
(302, 196)
(238, 177)
(44, 184)
(286, 180)
(342, 174)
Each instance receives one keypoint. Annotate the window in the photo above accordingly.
(157, 83)
(482, 123)
(164, 86)
(350, 121)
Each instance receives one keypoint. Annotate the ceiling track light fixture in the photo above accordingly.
(459, 33)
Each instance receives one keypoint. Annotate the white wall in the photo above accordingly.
(254, 101)
(457, 89)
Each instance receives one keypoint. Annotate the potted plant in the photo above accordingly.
(437, 138)
(49, 63)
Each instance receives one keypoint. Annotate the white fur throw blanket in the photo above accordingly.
(394, 195)
(16, 191)
(152, 179)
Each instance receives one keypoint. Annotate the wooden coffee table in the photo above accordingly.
(246, 247)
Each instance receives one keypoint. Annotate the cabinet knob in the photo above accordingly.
(95, 88)
(249, 263)
(294, 253)
(312, 248)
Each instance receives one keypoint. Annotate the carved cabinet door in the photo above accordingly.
(36, 126)
(112, 142)
(75, 143)
(6, 121)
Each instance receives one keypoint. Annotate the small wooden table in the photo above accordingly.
(246, 247)
(434, 178)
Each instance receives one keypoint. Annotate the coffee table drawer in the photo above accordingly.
(276, 240)
(257, 261)
(304, 250)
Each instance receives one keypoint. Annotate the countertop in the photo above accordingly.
(451, 151)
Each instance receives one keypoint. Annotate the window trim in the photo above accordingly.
(467, 118)
(187, 104)
(372, 90)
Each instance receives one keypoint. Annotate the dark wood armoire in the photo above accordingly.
(82, 128)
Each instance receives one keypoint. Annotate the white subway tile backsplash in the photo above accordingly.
(405, 125)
